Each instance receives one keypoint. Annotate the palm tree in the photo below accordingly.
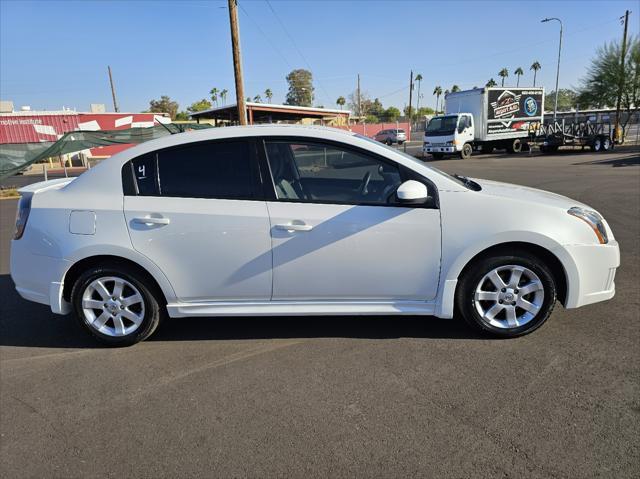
(341, 101)
(535, 66)
(517, 73)
(455, 88)
(491, 83)
(419, 80)
(214, 95)
(504, 73)
(223, 96)
(444, 100)
(257, 99)
(269, 94)
(437, 91)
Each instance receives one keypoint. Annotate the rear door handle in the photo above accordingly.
(148, 220)
(294, 227)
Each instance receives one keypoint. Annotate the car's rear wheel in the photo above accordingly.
(116, 305)
(507, 295)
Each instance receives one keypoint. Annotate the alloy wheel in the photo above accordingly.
(509, 296)
(113, 306)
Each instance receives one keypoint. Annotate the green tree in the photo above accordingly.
(607, 73)
(182, 116)
(201, 105)
(391, 114)
(300, 88)
(518, 73)
(491, 83)
(223, 96)
(535, 66)
(455, 88)
(419, 80)
(257, 99)
(164, 105)
(341, 101)
(567, 99)
(376, 109)
(268, 94)
(504, 73)
(214, 95)
(437, 91)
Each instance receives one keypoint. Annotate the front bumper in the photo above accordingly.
(590, 272)
(39, 278)
(439, 149)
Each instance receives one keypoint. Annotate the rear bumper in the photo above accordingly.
(39, 278)
(592, 277)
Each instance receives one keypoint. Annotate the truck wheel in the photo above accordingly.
(515, 146)
(596, 146)
(607, 144)
(466, 152)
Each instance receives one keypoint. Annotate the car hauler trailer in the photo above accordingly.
(485, 119)
(578, 131)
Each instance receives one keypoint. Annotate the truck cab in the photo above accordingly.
(450, 135)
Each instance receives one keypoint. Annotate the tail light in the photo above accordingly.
(22, 215)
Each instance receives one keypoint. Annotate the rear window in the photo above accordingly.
(202, 170)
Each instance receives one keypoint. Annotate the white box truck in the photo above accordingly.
(485, 119)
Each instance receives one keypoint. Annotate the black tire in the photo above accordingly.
(389, 142)
(596, 145)
(154, 312)
(474, 273)
(437, 156)
(607, 144)
(466, 152)
(514, 146)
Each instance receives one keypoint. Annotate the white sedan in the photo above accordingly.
(289, 220)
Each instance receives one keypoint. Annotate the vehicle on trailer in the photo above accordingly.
(391, 136)
(484, 119)
(577, 132)
(279, 220)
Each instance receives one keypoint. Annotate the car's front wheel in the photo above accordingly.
(116, 305)
(507, 295)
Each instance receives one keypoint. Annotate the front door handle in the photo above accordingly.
(295, 227)
(148, 220)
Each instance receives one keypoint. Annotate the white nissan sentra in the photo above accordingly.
(292, 220)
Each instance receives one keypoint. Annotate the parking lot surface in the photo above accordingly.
(357, 397)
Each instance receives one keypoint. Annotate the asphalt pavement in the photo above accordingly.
(340, 397)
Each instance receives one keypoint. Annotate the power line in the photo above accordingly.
(293, 42)
(277, 50)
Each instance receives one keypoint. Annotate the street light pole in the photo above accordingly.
(555, 107)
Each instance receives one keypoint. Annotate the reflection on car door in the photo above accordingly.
(336, 236)
(196, 211)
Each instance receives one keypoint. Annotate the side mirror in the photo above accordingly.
(412, 192)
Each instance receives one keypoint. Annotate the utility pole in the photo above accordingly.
(237, 61)
(621, 84)
(359, 103)
(555, 107)
(113, 91)
(410, 100)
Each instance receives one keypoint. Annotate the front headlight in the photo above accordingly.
(593, 219)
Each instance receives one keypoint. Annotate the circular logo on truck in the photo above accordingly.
(530, 106)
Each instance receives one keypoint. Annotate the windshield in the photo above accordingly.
(416, 160)
(442, 125)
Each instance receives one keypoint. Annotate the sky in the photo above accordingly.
(55, 53)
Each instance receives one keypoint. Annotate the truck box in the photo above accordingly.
(499, 113)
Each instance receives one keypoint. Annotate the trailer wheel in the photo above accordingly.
(466, 152)
(596, 146)
(607, 144)
(515, 147)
